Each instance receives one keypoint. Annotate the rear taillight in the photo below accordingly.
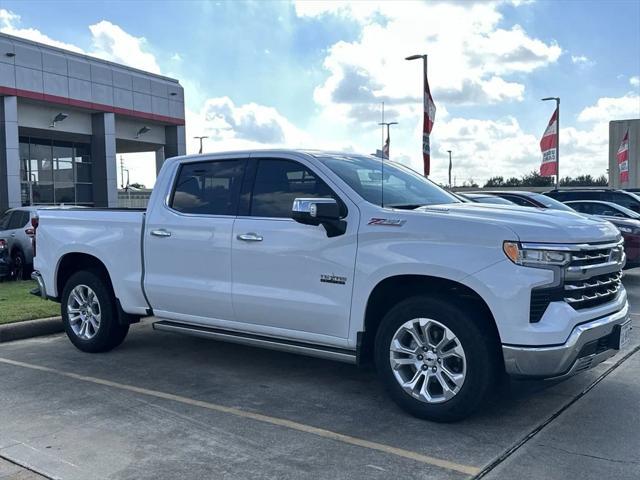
(34, 224)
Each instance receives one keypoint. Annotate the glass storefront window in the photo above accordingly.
(55, 172)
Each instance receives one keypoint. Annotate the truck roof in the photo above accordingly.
(274, 151)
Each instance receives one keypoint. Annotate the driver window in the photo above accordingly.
(279, 182)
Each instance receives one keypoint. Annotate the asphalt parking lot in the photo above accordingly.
(169, 406)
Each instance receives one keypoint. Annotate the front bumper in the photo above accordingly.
(588, 344)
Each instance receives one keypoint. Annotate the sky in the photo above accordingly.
(311, 74)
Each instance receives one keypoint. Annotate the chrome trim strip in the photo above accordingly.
(571, 247)
(282, 345)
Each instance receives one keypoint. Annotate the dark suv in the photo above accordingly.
(620, 197)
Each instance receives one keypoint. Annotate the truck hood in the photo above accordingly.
(531, 224)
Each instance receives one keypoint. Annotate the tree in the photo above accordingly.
(494, 182)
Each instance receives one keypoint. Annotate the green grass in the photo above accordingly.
(17, 304)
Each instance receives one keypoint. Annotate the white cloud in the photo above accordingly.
(582, 60)
(9, 24)
(635, 81)
(470, 56)
(608, 108)
(229, 126)
(176, 57)
(108, 41)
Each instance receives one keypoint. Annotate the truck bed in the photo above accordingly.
(112, 235)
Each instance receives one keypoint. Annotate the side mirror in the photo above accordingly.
(319, 211)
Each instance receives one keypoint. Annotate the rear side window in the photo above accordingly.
(523, 202)
(581, 207)
(624, 199)
(279, 182)
(19, 218)
(208, 188)
(4, 221)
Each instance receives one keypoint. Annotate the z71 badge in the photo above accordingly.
(389, 222)
(333, 279)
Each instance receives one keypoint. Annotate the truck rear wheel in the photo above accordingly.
(89, 313)
(435, 359)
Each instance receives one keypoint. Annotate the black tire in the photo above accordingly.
(19, 269)
(480, 351)
(110, 332)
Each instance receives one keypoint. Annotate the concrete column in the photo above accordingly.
(159, 159)
(175, 142)
(103, 155)
(9, 154)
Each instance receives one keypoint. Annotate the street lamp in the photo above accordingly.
(557, 100)
(201, 138)
(388, 124)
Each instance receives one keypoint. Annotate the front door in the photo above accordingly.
(288, 275)
(187, 242)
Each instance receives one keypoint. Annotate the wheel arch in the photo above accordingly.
(393, 289)
(73, 262)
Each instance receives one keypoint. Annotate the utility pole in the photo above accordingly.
(450, 166)
(121, 172)
(201, 138)
(557, 100)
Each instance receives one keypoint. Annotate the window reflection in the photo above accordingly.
(55, 172)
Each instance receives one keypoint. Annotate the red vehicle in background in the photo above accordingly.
(627, 221)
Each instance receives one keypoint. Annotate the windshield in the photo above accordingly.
(489, 199)
(403, 188)
(552, 203)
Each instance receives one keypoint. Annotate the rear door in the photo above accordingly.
(187, 244)
(287, 275)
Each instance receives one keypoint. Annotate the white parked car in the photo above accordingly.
(325, 254)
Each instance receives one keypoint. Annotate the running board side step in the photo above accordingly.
(282, 345)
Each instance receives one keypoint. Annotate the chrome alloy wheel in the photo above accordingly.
(83, 311)
(428, 360)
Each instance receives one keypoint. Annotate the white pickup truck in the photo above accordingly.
(336, 256)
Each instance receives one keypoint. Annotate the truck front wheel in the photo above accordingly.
(89, 313)
(435, 359)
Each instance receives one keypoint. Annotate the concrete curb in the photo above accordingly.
(30, 328)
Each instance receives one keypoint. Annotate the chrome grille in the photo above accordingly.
(594, 275)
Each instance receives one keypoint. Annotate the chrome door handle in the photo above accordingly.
(250, 237)
(13, 234)
(161, 233)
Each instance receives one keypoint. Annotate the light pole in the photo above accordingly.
(450, 165)
(201, 138)
(425, 137)
(387, 124)
(557, 100)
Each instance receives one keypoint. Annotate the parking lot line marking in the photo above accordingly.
(281, 422)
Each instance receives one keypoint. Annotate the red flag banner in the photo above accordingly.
(427, 126)
(623, 158)
(385, 148)
(548, 146)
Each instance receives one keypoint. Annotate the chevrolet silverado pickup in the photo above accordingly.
(342, 257)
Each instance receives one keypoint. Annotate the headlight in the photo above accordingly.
(534, 257)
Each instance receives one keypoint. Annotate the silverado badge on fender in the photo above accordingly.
(333, 279)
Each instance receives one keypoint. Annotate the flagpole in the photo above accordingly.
(558, 144)
(382, 161)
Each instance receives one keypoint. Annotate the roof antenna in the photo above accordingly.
(382, 160)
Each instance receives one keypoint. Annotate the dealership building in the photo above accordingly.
(65, 116)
